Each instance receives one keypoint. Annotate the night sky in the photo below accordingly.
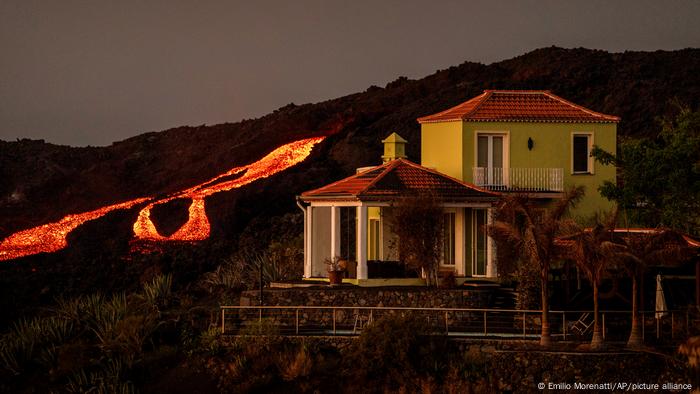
(91, 72)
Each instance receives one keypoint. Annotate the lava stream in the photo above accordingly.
(51, 237)
(197, 226)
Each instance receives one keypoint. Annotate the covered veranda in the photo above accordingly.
(352, 219)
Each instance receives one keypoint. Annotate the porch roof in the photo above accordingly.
(397, 178)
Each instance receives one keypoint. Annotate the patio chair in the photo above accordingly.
(361, 320)
(583, 325)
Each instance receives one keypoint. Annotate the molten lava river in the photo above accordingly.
(51, 237)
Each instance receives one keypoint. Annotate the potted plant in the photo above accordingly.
(336, 268)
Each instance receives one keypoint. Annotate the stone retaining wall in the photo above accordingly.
(416, 297)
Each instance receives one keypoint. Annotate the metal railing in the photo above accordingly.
(457, 322)
(519, 179)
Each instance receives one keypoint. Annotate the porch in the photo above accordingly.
(352, 219)
(361, 234)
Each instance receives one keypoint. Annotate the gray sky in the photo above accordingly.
(92, 72)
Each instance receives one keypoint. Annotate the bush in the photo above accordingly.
(33, 342)
(210, 341)
(106, 380)
(158, 292)
(393, 351)
(295, 365)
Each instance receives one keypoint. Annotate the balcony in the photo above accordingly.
(519, 179)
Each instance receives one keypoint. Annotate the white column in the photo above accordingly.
(490, 249)
(335, 232)
(361, 242)
(308, 237)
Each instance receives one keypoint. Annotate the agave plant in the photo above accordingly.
(158, 292)
(34, 341)
(107, 380)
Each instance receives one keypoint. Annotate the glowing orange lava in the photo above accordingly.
(52, 237)
(197, 227)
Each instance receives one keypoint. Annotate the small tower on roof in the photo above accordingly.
(394, 147)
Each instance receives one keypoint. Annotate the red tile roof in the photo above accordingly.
(395, 178)
(521, 106)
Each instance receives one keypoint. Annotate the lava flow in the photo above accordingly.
(51, 237)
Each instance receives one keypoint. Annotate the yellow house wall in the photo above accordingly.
(441, 147)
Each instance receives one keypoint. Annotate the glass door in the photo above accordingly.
(448, 249)
(479, 244)
(489, 159)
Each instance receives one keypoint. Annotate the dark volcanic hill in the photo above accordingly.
(43, 182)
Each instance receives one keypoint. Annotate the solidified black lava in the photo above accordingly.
(168, 217)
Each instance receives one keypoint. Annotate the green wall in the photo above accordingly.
(443, 149)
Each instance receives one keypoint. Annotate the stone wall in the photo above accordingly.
(416, 297)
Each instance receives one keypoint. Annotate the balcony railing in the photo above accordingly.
(519, 179)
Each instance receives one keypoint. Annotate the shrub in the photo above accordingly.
(106, 380)
(296, 364)
(210, 341)
(158, 292)
(393, 350)
(34, 342)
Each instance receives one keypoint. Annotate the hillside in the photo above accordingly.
(44, 182)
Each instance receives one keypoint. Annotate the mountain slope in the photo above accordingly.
(42, 183)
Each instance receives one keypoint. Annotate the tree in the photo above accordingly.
(656, 247)
(594, 250)
(521, 229)
(418, 223)
(659, 177)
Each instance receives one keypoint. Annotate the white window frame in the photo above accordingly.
(506, 149)
(591, 161)
(380, 249)
(487, 250)
(452, 211)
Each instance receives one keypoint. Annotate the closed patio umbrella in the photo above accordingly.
(661, 308)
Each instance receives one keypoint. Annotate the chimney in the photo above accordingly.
(394, 148)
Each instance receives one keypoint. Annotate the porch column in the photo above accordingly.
(335, 232)
(308, 236)
(361, 242)
(490, 249)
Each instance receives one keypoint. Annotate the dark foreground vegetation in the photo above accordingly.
(152, 341)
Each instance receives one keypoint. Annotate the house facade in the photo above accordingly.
(352, 219)
(523, 142)
(529, 142)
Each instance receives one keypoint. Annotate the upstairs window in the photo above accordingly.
(581, 154)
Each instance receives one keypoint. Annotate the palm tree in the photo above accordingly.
(593, 250)
(644, 249)
(524, 231)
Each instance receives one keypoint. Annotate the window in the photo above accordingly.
(479, 253)
(448, 255)
(489, 159)
(373, 252)
(581, 154)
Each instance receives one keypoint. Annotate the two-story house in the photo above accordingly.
(511, 141)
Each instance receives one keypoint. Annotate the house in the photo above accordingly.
(501, 141)
(522, 141)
